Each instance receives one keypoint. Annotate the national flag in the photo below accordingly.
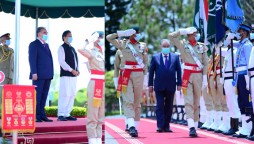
(211, 24)
(233, 14)
(220, 27)
(200, 18)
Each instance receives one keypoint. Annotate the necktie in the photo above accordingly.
(46, 47)
(166, 61)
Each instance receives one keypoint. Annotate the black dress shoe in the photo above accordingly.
(239, 135)
(38, 120)
(61, 118)
(159, 130)
(71, 118)
(193, 132)
(230, 132)
(210, 129)
(250, 138)
(133, 132)
(218, 131)
(127, 128)
(46, 119)
(168, 130)
(203, 128)
(200, 124)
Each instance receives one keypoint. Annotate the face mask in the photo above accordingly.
(197, 37)
(7, 42)
(238, 36)
(70, 39)
(137, 37)
(101, 42)
(45, 37)
(165, 50)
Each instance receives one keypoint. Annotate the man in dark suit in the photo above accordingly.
(41, 71)
(164, 66)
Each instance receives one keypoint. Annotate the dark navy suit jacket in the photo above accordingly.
(40, 60)
(165, 78)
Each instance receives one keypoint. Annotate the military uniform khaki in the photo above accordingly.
(118, 66)
(192, 99)
(6, 66)
(133, 94)
(95, 115)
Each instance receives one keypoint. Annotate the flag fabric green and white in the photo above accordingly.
(200, 18)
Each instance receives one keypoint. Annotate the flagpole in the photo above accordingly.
(17, 32)
(232, 55)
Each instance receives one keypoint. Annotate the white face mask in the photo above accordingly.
(251, 36)
(101, 42)
(7, 42)
(197, 37)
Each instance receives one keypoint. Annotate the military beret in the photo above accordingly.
(245, 27)
(136, 28)
(7, 35)
(101, 33)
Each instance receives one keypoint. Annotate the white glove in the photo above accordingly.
(127, 32)
(93, 37)
(115, 82)
(227, 41)
(217, 48)
(247, 79)
(189, 30)
(222, 81)
(204, 82)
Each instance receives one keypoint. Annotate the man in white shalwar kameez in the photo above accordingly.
(68, 60)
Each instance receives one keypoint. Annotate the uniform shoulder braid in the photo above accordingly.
(142, 47)
(202, 48)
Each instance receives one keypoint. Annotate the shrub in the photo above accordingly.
(80, 98)
(76, 111)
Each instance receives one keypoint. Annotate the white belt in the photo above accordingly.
(227, 74)
(95, 76)
(133, 67)
(251, 73)
(218, 71)
(194, 68)
(242, 68)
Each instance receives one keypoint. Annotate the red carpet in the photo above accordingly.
(57, 132)
(148, 134)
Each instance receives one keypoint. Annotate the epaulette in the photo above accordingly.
(11, 50)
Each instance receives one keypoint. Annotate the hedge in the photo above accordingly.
(76, 111)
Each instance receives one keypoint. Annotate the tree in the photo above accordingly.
(114, 11)
(157, 18)
(248, 9)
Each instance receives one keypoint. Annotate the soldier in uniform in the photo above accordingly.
(6, 60)
(118, 72)
(241, 79)
(95, 89)
(231, 97)
(214, 98)
(194, 56)
(135, 70)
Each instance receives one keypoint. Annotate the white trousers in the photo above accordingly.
(231, 99)
(66, 96)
